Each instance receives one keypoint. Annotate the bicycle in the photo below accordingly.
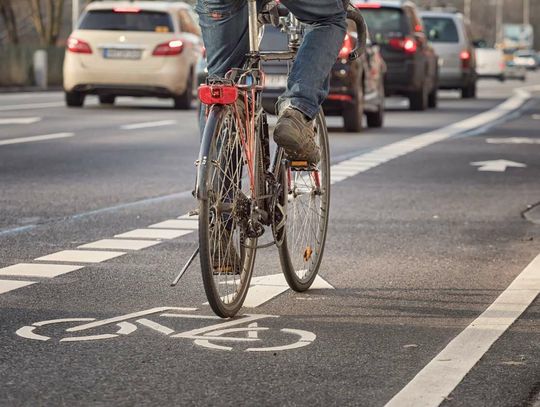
(243, 190)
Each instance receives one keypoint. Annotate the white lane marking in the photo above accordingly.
(20, 120)
(10, 285)
(306, 338)
(147, 125)
(513, 140)
(497, 165)
(188, 216)
(120, 244)
(31, 106)
(155, 326)
(38, 270)
(264, 288)
(35, 138)
(441, 376)
(188, 224)
(81, 256)
(536, 116)
(155, 233)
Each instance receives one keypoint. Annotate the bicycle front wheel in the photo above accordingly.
(307, 207)
(231, 178)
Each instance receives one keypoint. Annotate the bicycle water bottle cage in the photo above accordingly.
(218, 93)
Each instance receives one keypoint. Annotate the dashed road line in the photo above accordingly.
(442, 375)
(20, 120)
(10, 285)
(166, 234)
(31, 106)
(146, 125)
(38, 270)
(32, 139)
(120, 244)
(189, 224)
(81, 256)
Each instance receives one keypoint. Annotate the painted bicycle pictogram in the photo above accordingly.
(231, 335)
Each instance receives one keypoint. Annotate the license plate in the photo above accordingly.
(276, 81)
(114, 53)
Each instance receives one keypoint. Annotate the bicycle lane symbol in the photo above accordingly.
(214, 336)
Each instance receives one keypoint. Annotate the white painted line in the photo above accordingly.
(536, 116)
(120, 244)
(81, 256)
(264, 288)
(38, 270)
(154, 234)
(35, 138)
(441, 376)
(189, 217)
(147, 125)
(189, 224)
(155, 326)
(513, 140)
(31, 106)
(20, 120)
(10, 285)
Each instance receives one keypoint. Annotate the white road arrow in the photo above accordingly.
(497, 165)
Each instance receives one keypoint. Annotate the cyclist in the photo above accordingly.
(224, 25)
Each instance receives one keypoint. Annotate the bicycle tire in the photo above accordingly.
(302, 248)
(220, 234)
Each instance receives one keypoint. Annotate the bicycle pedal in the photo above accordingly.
(296, 165)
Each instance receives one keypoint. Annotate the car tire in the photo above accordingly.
(502, 78)
(74, 99)
(183, 102)
(433, 97)
(107, 99)
(353, 114)
(418, 101)
(469, 91)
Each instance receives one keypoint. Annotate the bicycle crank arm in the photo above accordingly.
(177, 279)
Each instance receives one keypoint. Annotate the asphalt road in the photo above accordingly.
(418, 248)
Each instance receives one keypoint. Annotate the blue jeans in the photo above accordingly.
(224, 25)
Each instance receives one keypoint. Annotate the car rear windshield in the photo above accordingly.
(385, 22)
(441, 29)
(150, 21)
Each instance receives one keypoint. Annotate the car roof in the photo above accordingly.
(445, 14)
(143, 5)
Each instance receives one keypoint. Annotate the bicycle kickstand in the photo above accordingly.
(177, 279)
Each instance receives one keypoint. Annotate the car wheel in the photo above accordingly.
(433, 98)
(353, 113)
(418, 101)
(469, 91)
(183, 102)
(107, 99)
(74, 99)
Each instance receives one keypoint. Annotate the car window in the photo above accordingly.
(441, 29)
(137, 20)
(385, 22)
(186, 23)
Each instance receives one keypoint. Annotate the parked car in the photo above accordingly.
(356, 88)
(490, 62)
(131, 48)
(526, 58)
(412, 64)
(450, 35)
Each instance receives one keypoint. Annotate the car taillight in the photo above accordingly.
(368, 5)
(408, 45)
(78, 46)
(218, 94)
(174, 47)
(465, 57)
(347, 47)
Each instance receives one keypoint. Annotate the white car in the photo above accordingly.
(130, 48)
(490, 63)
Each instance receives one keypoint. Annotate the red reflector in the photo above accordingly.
(347, 47)
(218, 94)
(340, 98)
(367, 5)
(174, 47)
(78, 46)
(126, 10)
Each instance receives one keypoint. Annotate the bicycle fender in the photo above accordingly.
(201, 189)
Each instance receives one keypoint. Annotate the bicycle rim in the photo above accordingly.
(307, 209)
(227, 254)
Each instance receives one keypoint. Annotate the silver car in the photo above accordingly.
(450, 35)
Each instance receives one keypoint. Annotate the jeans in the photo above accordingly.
(224, 25)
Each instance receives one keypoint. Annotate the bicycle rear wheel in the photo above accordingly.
(227, 253)
(307, 209)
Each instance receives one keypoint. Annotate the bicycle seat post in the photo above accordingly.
(253, 26)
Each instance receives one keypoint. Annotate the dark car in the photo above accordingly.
(412, 64)
(356, 88)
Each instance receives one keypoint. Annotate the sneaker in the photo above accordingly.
(295, 134)
(226, 259)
